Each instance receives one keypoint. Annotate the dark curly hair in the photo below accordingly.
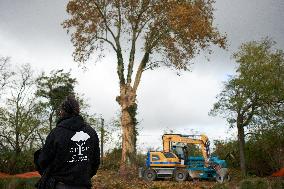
(70, 106)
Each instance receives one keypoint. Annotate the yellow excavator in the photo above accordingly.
(169, 141)
(175, 161)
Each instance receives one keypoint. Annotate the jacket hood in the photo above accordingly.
(73, 123)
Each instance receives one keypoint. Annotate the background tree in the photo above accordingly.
(109, 133)
(257, 87)
(264, 150)
(53, 89)
(20, 117)
(149, 33)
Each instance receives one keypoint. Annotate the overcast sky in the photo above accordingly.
(30, 31)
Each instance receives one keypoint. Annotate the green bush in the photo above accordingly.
(4, 183)
(255, 183)
(277, 184)
(140, 160)
(16, 183)
(112, 159)
(267, 140)
(12, 163)
(227, 150)
(261, 184)
(246, 184)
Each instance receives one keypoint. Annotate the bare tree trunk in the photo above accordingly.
(241, 139)
(127, 101)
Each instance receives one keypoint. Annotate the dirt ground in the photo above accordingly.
(111, 180)
(107, 179)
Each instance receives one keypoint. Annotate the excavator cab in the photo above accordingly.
(184, 151)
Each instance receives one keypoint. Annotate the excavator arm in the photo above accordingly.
(202, 140)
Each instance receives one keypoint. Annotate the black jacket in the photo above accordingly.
(72, 148)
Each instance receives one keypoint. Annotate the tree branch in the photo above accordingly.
(119, 20)
(8, 140)
(152, 65)
(245, 109)
(135, 34)
(250, 115)
(131, 56)
(108, 41)
(140, 70)
(26, 137)
(105, 20)
(139, 31)
(120, 64)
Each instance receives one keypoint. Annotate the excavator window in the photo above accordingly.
(169, 155)
(155, 158)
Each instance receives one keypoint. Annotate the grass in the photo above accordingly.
(262, 183)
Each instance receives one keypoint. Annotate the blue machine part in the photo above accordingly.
(201, 172)
(148, 160)
(215, 160)
(198, 161)
(195, 162)
(196, 158)
(161, 162)
(197, 169)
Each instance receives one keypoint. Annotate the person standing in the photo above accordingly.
(70, 156)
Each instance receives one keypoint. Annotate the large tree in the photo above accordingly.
(149, 33)
(257, 87)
